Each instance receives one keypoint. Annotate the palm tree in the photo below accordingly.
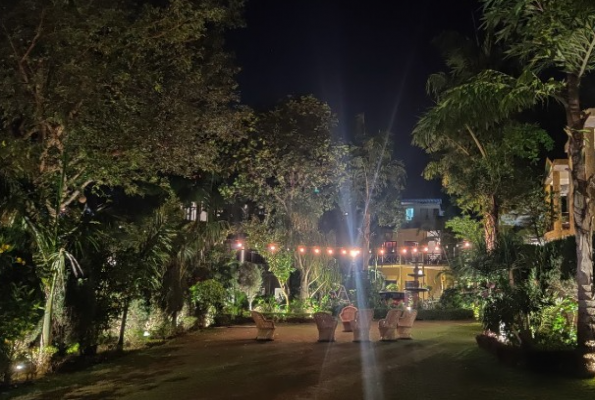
(560, 35)
(477, 146)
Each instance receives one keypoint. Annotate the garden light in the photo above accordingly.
(20, 367)
(302, 250)
(317, 250)
(272, 247)
(330, 252)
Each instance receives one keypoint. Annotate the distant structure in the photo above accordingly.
(559, 198)
(422, 213)
(414, 250)
(558, 186)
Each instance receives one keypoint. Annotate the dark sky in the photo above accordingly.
(370, 56)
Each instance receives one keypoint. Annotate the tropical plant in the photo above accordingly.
(371, 190)
(250, 281)
(559, 36)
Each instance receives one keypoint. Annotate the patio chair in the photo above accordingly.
(406, 323)
(361, 325)
(388, 325)
(265, 328)
(326, 325)
(347, 315)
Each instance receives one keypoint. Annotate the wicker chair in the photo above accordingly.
(347, 315)
(388, 325)
(405, 324)
(361, 325)
(265, 328)
(326, 325)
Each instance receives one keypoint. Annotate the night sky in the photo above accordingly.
(370, 57)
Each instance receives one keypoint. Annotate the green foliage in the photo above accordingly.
(290, 165)
(454, 298)
(557, 325)
(209, 293)
(551, 33)
(518, 288)
(480, 149)
(466, 228)
(448, 314)
(268, 304)
(250, 281)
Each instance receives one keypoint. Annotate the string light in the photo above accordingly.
(353, 252)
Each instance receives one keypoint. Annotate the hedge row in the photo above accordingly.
(455, 314)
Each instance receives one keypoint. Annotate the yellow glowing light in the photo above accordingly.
(272, 247)
(317, 251)
(415, 250)
(381, 251)
(302, 250)
(343, 251)
(404, 251)
(425, 249)
(330, 251)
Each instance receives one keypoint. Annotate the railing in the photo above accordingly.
(402, 259)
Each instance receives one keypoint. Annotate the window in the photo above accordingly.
(409, 214)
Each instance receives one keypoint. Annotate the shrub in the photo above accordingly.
(454, 314)
(209, 299)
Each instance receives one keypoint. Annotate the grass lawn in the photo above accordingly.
(442, 362)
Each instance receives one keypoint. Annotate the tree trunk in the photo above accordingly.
(581, 179)
(120, 345)
(366, 240)
(304, 285)
(174, 321)
(490, 224)
(46, 332)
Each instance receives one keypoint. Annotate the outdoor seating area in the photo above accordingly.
(396, 325)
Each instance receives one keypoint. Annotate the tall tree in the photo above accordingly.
(559, 35)
(479, 149)
(372, 189)
(291, 168)
(108, 93)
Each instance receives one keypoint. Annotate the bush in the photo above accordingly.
(209, 298)
(454, 314)
(290, 317)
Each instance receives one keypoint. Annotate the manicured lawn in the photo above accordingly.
(443, 362)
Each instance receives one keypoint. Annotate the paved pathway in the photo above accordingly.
(442, 362)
